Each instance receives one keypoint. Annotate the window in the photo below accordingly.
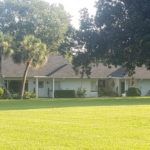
(93, 86)
(41, 84)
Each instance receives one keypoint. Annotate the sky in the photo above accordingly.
(74, 6)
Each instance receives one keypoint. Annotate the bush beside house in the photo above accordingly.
(1, 92)
(81, 92)
(132, 91)
(65, 94)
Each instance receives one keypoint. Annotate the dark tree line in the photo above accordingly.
(119, 34)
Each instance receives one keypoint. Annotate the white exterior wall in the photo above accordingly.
(65, 84)
(144, 86)
(74, 84)
(31, 85)
(42, 92)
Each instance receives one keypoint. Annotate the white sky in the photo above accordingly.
(74, 6)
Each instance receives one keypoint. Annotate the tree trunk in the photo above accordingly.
(24, 79)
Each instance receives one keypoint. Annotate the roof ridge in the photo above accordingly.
(55, 70)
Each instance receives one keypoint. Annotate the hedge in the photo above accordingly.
(65, 94)
(132, 91)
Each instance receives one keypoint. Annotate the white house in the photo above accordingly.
(58, 74)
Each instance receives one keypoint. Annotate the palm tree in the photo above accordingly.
(32, 53)
(5, 49)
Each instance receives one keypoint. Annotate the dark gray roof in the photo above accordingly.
(140, 73)
(121, 72)
(57, 67)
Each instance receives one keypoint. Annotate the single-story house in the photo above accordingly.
(58, 74)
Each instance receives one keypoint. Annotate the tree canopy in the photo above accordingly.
(5, 48)
(119, 34)
(36, 17)
(32, 53)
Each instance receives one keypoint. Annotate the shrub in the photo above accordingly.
(148, 93)
(132, 91)
(1, 92)
(15, 96)
(106, 92)
(81, 92)
(7, 94)
(28, 95)
(64, 93)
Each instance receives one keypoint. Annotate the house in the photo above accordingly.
(58, 74)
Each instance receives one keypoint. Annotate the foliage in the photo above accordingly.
(81, 92)
(32, 50)
(69, 41)
(32, 53)
(64, 94)
(6, 44)
(119, 34)
(20, 18)
(132, 91)
(29, 95)
(15, 95)
(1, 92)
(5, 50)
(6, 94)
(83, 58)
(34, 31)
(106, 92)
(5, 47)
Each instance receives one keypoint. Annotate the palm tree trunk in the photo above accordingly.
(24, 79)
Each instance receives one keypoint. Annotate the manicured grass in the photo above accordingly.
(74, 124)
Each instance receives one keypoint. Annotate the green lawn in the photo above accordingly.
(74, 124)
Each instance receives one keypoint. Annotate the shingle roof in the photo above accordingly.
(99, 71)
(10, 69)
(121, 72)
(58, 67)
(141, 73)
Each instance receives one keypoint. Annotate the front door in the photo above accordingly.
(122, 87)
(42, 88)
